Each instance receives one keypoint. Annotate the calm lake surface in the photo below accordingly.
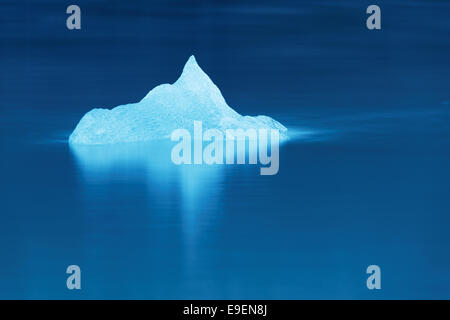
(366, 183)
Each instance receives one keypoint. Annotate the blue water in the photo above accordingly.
(368, 184)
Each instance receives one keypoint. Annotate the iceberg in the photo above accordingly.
(193, 97)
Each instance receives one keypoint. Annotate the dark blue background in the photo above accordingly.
(368, 185)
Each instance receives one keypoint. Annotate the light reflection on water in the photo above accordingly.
(188, 186)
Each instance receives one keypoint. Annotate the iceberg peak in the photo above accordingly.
(191, 64)
(193, 77)
(193, 97)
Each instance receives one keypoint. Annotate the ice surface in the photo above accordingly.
(193, 97)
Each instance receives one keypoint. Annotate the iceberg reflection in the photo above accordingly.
(170, 187)
(149, 162)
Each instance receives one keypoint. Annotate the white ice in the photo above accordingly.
(193, 97)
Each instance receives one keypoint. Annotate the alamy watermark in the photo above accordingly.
(73, 21)
(235, 143)
(374, 280)
(74, 280)
(373, 22)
